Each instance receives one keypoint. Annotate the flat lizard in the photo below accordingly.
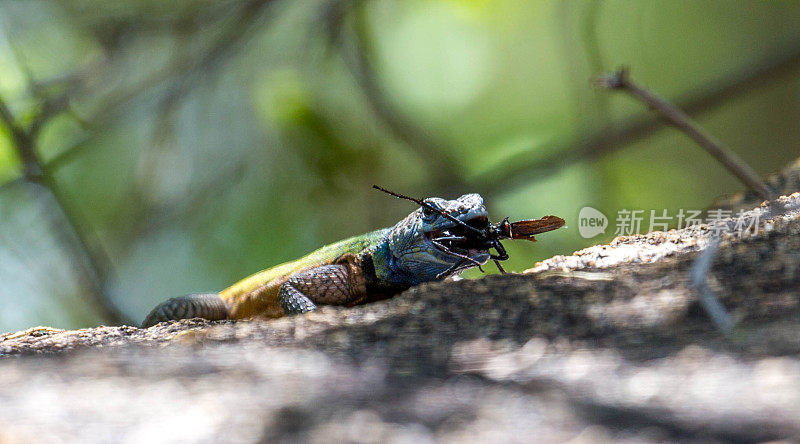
(429, 244)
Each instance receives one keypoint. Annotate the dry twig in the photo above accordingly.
(621, 80)
(530, 166)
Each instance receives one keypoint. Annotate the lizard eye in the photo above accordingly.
(430, 212)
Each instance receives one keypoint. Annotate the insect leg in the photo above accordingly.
(449, 270)
(466, 258)
(500, 256)
(459, 238)
(501, 251)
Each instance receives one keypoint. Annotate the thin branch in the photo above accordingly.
(445, 170)
(36, 171)
(31, 166)
(195, 69)
(529, 166)
(183, 72)
(88, 246)
(594, 57)
(701, 268)
(699, 279)
(51, 105)
(11, 183)
(621, 80)
(222, 183)
(69, 153)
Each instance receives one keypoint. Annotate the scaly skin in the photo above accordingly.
(354, 271)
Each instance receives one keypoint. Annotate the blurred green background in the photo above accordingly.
(150, 149)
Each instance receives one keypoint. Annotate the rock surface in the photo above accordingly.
(608, 344)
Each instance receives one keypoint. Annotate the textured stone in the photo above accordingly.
(608, 344)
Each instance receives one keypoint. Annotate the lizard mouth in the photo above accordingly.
(459, 239)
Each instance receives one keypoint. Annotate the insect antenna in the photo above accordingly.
(422, 203)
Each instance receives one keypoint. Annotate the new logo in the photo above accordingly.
(591, 222)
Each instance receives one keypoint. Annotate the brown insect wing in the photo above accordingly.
(526, 229)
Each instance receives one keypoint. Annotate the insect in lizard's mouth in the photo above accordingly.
(461, 240)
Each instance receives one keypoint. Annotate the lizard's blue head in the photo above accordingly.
(427, 246)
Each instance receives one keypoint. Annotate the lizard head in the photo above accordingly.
(427, 245)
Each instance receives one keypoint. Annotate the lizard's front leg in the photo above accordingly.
(342, 283)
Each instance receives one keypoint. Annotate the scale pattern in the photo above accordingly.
(206, 305)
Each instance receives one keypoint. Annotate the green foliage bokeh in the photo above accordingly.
(197, 163)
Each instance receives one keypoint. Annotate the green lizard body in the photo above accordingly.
(425, 246)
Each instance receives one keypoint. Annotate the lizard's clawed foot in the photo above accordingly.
(294, 302)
